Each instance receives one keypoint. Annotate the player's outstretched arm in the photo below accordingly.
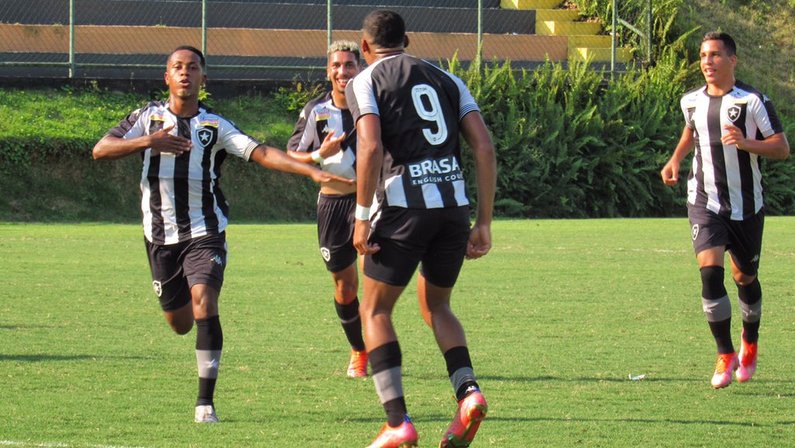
(111, 147)
(670, 172)
(330, 146)
(477, 137)
(276, 159)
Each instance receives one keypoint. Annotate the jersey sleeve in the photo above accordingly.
(235, 141)
(688, 108)
(466, 102)
(298, 129)
(766, 118)
(131, 126)
(360, 96)
(309, 140)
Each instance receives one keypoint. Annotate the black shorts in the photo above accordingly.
(335, 230)
(176, 268)
(743, 239)
(436, 237)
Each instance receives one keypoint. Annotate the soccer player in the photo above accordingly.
(182, 145)
(312, 142)
(732, 126)
(409, 117)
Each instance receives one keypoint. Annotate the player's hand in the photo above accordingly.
(361, 234)
(479, 243)
(321, 177)
(330, 145)
(733, 136)
(163, 141)
(670, 173)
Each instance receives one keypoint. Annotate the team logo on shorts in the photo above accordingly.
(734, 113)
(217, 260)
(157, 287)
(324, 252)
(695, 231)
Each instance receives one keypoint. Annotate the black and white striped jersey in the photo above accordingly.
(318, 117)
(181, 196)
(420, 107)
(724, 179)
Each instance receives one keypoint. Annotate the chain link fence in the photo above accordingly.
(248, 39)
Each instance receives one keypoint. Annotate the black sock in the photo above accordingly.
(386, 362)
(206, 391)
(351, 323)
(721, 331)
(751, 301)
(459, 369)
(751, 331)
(395, 410)
(209, 342)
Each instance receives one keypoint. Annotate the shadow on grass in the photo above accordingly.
(45, 357)
(582, 379)
(23, 326)
(434, 418)
(629, 420)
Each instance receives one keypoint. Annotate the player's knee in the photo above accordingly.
(712, 287)
(181, 328)
(439, 307)
(180, 322)
(346, 292)
(742, 279)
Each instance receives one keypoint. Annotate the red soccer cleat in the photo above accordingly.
(471, 411)
(747, 366)
(357, 367)
(726, 365)
(404, 436)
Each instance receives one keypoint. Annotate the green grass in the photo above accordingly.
(87, 113)
(557, 317)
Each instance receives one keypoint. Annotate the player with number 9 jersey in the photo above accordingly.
(420, 107)
(410, 116)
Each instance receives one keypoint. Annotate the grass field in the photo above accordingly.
(557, 316)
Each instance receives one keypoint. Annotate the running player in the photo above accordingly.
(732, 126)
(182, 145)
(409, 116)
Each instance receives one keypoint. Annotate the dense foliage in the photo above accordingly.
(573, 144)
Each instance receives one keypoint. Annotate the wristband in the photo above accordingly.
(315, 155)
(362, 213)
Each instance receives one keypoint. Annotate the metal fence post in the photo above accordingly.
(651, 31)
(329, 23)
(71, 39)
(613, 42)
(479, 55)
(204, 27)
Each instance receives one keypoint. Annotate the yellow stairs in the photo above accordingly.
(584, 41)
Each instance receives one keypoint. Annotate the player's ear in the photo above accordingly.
(405, 41)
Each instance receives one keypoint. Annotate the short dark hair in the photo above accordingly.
(195, 50)
(385, 27)
(728, 42)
